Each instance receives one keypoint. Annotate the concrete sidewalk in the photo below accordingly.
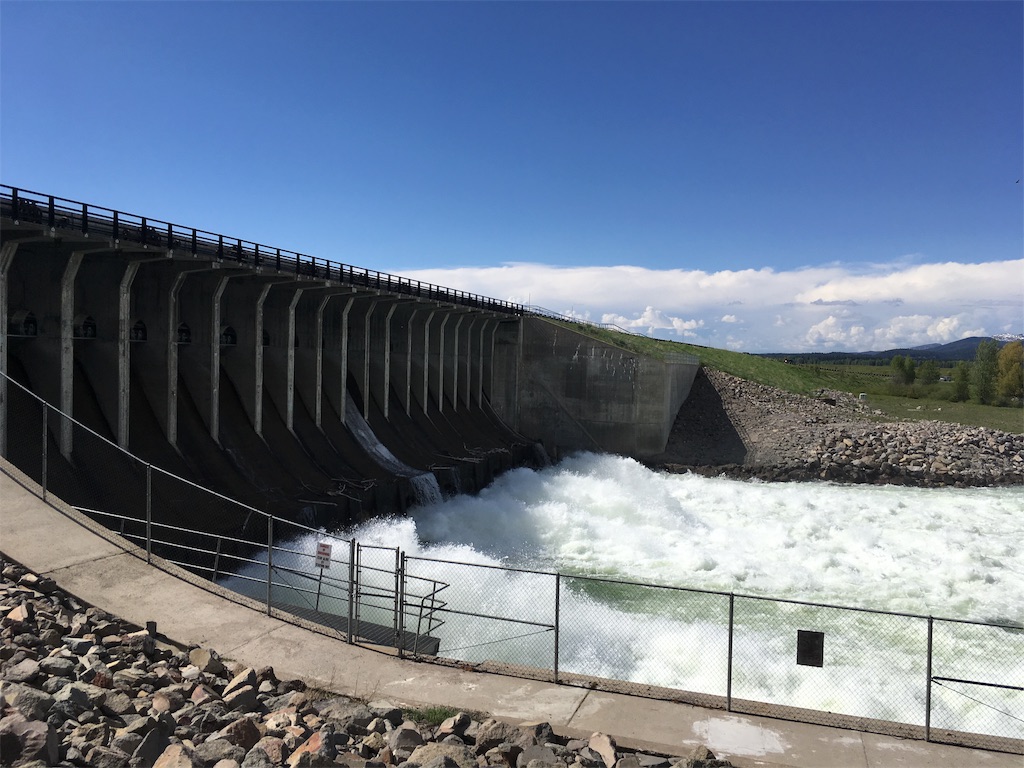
(100, 568)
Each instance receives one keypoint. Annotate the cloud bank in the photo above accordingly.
(815, 309)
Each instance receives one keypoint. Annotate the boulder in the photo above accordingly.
(462, 756)
(22, 739)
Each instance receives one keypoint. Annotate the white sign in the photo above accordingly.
(323, 555)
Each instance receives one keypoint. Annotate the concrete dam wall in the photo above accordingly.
(305, 388)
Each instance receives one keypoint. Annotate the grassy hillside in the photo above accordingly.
(929, 403)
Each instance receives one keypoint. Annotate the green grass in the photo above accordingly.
(974, 414)
(808, 379)
(431, 715)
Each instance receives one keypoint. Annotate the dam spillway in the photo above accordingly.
(308, 388)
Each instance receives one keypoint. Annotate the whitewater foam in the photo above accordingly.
(951, 552)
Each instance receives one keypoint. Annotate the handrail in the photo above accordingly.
(63, 213)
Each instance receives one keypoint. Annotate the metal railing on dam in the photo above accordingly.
(942, 679)
(58, 213)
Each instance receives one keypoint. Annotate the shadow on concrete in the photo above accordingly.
(703, 434)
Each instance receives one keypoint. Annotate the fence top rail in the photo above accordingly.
(236, 247)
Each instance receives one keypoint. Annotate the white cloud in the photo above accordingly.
(831, 307)
(652, 320)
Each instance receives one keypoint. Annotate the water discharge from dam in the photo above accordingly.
(948, 552)
(956, 553)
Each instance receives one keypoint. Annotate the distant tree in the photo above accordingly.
(985, 368)
(899, 369)
(1010, 376)
(909, 371)
(928, 372)
(962, 382)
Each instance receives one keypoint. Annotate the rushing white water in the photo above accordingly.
(956, 553)
(949, 552)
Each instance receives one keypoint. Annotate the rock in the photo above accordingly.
(464, 757)
(107, 757)
(271, 746)
(258, 758)
(242, 732)
(151, 747)
(206, 660)
(315, 751)
(24, 739)
(345, 711)
(212, 751)
(57, 666)
(32, 703)
(405, 737)
(247, 677)
(492, 733)
(456, 724)
(177, 756)
(536, 754)
(241, 698)
(25, 671)
(604, 745)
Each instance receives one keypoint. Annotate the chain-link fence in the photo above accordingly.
(910, 675)
(947, 680)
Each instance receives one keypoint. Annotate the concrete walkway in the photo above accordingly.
(102, 569)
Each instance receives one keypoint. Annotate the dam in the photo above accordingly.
(310, 389)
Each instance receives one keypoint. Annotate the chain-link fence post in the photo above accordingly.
(400, 603)
(728, 683)
(558, 593)
(42, 476)
(351, 587)
(928, 689)
(270, 559)
(149, 513)
(398, 598)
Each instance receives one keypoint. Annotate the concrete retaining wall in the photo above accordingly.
(577, 393)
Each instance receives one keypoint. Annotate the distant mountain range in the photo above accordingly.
(964, 349)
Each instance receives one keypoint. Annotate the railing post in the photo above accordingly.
(270, 558)
(400, 602)
(216, 560)
(85, 219)
(319, 589)
(351, 586)
(728, 686)
(114, 234)
(42, 473)
(149, 513)
(928, 689)
(14, 204)
(558, 602)
(51, 218)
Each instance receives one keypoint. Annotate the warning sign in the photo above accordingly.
(323, 555)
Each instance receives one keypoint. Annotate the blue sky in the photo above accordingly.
(760, 176)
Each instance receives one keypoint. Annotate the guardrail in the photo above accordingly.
(131, 230)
